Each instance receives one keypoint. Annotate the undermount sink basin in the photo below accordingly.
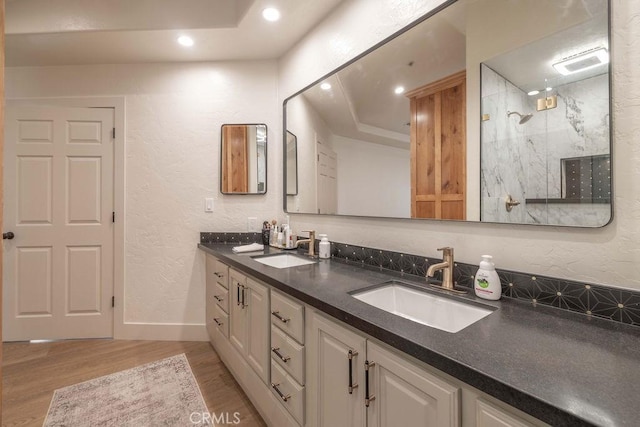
(283, 260)
(428, 309)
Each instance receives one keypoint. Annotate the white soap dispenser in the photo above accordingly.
(324, 247)
(487, 283)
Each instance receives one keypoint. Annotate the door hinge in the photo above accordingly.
(114, 133)
(113, 217)
(113, 301)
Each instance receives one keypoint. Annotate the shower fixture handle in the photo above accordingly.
(510, 202)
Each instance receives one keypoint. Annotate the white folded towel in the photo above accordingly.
(248, 248)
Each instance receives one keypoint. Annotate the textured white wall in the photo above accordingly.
(609, 255)
(173, 119)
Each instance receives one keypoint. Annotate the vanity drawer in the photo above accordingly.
(287, 353)
(288, 315)
(288, 391)
(221, 273)
(221, 297)
(220, 320)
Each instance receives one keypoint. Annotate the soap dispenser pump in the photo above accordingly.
(487, 283)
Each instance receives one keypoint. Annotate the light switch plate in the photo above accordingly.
(208, 204)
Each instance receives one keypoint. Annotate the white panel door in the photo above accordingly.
(405, 395)
(257, 306)
(58, 201)
(336, 376)
(327, 180)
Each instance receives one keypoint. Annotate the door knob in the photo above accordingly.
(8, 235)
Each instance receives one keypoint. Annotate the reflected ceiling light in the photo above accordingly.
(271, 14)
(582, 61)
(533, 92)
(325, 86)
(549, 89)
(185, 41)
(398, 90)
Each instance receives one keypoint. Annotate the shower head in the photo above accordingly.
(523, 118)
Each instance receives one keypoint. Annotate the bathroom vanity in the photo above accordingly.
(311, 354)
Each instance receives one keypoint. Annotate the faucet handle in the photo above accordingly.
(446, 251)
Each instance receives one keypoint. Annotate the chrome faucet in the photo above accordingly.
(311, 240)
(446, 266)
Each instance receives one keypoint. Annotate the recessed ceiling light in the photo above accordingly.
(398, 90)
(185, 41)
(533, 92)
(325, 86)
(582, 61)
(271, 14)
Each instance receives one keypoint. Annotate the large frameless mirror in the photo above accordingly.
(243, 159)
(488, 110)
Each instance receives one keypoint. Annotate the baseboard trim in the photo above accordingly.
(161, 332)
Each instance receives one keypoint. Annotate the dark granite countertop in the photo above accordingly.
(563, 368)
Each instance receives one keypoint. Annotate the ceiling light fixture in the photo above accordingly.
(582, 61)
(271, 14)
(185, 41)
(533, 93)
(398, 90)
(325, 86)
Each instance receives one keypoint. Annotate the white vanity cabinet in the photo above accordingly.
(355, 382)
(301, 368)
(249, 321)
(288, 353)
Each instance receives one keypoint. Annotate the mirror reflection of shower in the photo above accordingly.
(523, 118)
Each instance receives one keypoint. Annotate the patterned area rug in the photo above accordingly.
(161, 393)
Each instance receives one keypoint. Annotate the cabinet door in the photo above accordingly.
(406, 395)
(237, 313)
(331, 402)
(257, 345)
(488, 415)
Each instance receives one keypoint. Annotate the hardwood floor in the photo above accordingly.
(31, 372)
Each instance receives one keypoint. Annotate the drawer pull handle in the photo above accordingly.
(218, 322)
(282, 396)
(276, 350)
(218, 298)
(219, 275)
(279, 317)
(351, 386)
(368, 398)
(244, 297)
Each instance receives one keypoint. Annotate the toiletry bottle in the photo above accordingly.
(280, 238)
(287, 237)
(324, 247)
(487, 283)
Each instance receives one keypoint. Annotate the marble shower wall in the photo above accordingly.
(524, 160)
